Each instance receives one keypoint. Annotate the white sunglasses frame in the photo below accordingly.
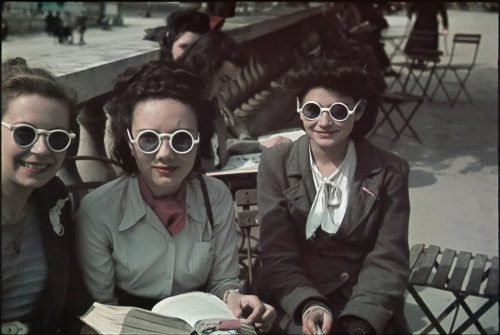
(38, 131)
(327, 109)
(160, 138)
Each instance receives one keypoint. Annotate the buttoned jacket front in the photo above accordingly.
(123, 244)
(362, 270)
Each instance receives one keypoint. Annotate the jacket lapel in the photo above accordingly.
(365, 189)
(301, 191)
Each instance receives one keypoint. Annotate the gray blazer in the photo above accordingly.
(362, 270)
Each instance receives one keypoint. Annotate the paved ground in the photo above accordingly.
(454, 174)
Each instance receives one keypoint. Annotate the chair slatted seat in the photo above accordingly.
(472, 275)
(445, 265)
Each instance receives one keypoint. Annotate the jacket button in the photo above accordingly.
(344, 276)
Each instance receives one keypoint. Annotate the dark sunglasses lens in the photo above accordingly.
(59, 140)
(182, 142)
(339, 112)
(24, 136)
(311, 111)
(148, 141)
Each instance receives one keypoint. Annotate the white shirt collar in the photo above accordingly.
(332, 194)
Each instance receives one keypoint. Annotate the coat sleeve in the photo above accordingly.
(385, 270)
(94, 254)
(285, 280)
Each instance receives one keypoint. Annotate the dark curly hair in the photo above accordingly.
(206, 55)
(20, 79)
(157, 80)
(341, 72)
(180, 22)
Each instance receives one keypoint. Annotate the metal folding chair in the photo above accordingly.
(395, 101)
(462, 274)
(465, 47)
(246, 200)
(421, 58)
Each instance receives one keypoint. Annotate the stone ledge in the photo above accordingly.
(95, 80)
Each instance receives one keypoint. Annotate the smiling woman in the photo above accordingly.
(334, 209)
(38, 274)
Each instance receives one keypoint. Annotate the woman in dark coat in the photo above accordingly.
(426, 23)
(334, 211)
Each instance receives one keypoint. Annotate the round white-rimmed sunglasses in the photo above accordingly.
(338, 111)
(25, 135)
(149, 141)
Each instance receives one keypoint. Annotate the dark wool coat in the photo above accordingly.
(362, 270)
(64, 296)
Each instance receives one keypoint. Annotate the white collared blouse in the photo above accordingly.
(121, 242)
(325, 216)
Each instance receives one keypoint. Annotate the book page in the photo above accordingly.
(109, 319)
(194, 306)
(248, 163)
(293, 134)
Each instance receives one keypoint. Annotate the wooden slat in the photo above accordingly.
(459, 272)
(476, 275)
(492, 284)
(415, 252)
(247, 197)
(425, 266)
(444, 268)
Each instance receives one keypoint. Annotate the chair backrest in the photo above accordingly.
(463, 43)
(76, 187)
(245, 200)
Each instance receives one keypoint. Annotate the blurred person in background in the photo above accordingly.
(219, 60)
(426, 20)
(182, 29)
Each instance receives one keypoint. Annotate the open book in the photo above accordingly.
(249, 163)
(189, 313)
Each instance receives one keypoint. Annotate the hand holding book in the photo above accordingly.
(188, 313)
(261, 315)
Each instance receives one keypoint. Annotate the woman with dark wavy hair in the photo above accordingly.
(334, 210)
(162, 229)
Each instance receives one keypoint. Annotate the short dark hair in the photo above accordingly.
(19, 79)
(180, 22)
(206, 55)
(157, 80)
(341, 72)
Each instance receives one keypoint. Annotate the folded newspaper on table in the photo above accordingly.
(249, 163)
(189, 313)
